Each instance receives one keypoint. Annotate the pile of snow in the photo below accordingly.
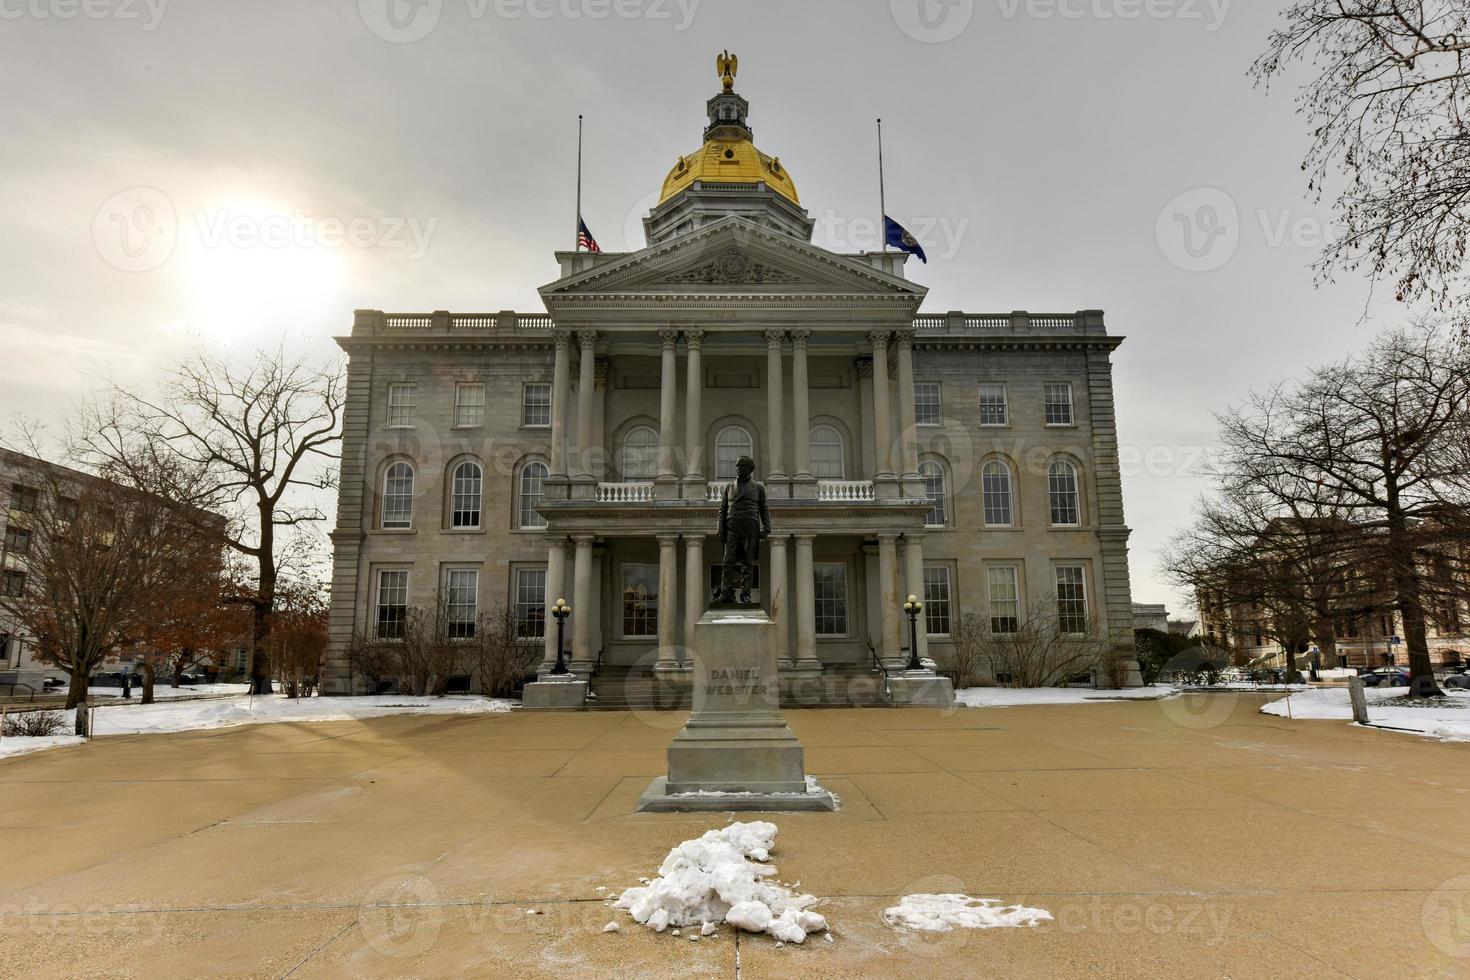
(1013, 697)
(945, 913)
(720, 877)
(1447, 719)
(16, 745)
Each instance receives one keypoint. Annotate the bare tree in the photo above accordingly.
(498, 654)
(1040, 653)
(262, 432)
(1386, 107)
(967, 649)
(297, 641)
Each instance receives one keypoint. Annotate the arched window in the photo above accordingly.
(1066, 507)
(995, 487)
(828, 461)
(934, 489)
(398, 497)
(464, 502)
(533, 476)
(640, 454)
(732, 443)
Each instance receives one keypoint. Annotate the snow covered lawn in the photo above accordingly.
(227, 712)
(1447, 719)
(1007, 697)
(163, 692)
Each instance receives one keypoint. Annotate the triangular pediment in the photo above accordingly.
(733, 255)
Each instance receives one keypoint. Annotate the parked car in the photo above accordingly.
(1387, 677)
(1459, 680)
(53, 683)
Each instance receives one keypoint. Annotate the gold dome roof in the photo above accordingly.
(730, 161)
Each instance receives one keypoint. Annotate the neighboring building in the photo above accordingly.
(1189, 628)
(504, 460)
(1150, 617)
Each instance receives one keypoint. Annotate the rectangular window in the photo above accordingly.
(640, 600)
(17, 540)
(937, 600)
(392, 603)
(469, 406)
(536, 406)
(66, 508)
(402, 400)
(1072, 599)
(22, 498)
(1005, 600)
(993, 408)
(831, 598)
(461, 601)
(530, 603)
(14, 584)
(928, 403)
(1059, 404)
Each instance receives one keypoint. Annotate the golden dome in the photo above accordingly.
(730, 161)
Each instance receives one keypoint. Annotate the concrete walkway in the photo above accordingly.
(1187, 838)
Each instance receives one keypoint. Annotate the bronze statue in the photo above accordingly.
(745, 520)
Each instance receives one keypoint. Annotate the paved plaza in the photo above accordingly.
(1184, 838)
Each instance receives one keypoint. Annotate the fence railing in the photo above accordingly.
(624, 493)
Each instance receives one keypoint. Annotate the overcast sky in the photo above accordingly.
(228, 173)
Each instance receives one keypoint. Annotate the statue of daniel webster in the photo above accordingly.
(744, 521)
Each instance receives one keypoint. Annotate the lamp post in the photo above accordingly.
(561, 611)
(913, 607)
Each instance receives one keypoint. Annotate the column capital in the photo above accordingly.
(694, 339)
(775, 339)
(805, 538)
(695, 538)
(889, 537)
(799, 338)
(667, 540)
(670, 339)
(878, 340)
(864, 367)
(904, 339)
(584, 540)
(587, 340)
(783, 538)
(563, 339)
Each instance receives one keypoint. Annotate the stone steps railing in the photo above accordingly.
(624, 493)
(845, 491)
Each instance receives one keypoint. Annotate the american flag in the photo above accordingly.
(585, 239)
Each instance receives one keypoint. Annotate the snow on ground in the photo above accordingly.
(1008, 697)
(720, 877)
(1445, 718)
(227, 712)
(163, 692)
(945, 913)
(13, 746)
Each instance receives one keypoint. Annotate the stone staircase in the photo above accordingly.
(636, 689)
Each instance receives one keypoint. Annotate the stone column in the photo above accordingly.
(583, 656)
(561, 379)
(775, 409)
(913, 556)
(694, 408)
(806, 600)
(695, 588)
(864, 366)
(668, 600)
(668, 394)
(556, 572)
(882, 413)
(890, 604)
(907, 412)
(586, 393)
(801, 406)
(599, 420)
(780, 600)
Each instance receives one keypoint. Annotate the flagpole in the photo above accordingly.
(882, 193)
(577, 230)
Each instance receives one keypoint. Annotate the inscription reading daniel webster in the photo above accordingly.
(735, 682)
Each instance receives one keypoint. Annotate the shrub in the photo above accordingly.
(34, 724)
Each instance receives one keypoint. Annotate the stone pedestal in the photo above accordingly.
(552, 694)
(920, 689)
(736, 752)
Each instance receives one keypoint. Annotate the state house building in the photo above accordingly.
(504, 460)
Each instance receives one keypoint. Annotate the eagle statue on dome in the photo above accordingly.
(728, 66)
